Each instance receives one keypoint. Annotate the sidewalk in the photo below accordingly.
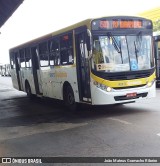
(7, 93)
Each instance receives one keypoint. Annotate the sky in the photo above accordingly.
(35, 18)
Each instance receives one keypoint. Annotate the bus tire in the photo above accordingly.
(69, 99)
(28, 90)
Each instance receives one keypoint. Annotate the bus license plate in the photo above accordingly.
(130, 95)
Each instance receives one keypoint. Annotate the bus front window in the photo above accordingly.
(122, 53)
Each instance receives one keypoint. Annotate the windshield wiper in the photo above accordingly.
(136, 51)
(138, 41)
(115, 44)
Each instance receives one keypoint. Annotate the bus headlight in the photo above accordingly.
(149, 84)
(103, 87)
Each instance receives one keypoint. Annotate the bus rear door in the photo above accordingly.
(15, 71)
(36, 71)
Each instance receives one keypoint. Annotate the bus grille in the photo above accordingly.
(127, 87)
(129, 76)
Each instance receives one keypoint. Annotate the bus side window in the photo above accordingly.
(66, 45)
(12, 60)
(43, 54)
(28, 57)
(22, 58)
(54, 52)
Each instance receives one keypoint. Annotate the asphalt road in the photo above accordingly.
(44, 128)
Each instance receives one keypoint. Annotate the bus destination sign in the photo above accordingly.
(120, 24)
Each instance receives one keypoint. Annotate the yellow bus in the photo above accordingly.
(99, 61)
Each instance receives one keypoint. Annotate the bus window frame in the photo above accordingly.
(50, 42)
(26, 57)
(47, 53)
(71, 47)
(19, 57)
(12, 55)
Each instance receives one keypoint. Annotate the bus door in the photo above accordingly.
(15, 71)
(36, 70)
(83, 71)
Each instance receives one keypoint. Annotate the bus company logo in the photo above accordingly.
(121, 84)
(51, 75)
(6, 160)
(58, 74)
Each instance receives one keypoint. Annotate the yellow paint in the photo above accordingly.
(60, 74)
(153, 14)
(123, 83)
(65, 66)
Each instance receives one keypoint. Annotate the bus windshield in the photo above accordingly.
(122, 53)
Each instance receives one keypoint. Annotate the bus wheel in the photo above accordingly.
(28, 90)
(69, 99)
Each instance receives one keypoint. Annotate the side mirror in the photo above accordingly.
(88, 44)
(89, 40)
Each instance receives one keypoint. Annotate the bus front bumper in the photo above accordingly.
(101, 97)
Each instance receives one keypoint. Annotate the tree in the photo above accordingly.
(156, 25)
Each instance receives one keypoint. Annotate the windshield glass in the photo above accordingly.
(122, 53)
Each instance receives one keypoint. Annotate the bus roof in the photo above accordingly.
(86, 23)
(66, 29)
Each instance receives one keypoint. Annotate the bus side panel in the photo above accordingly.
(27, 75)
(67, 74)
(14, 79)
(51, 86)
(39, 81)
(53, 80)
(44, 81)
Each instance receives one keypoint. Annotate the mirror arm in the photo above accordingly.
(90, 43)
